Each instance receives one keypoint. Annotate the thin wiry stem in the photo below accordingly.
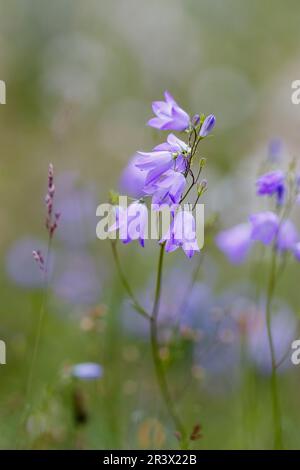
(38, 334)
(40, 321)
(278, 444)
(126, 284)
(159, 368)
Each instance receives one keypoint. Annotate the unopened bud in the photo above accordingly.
(202, 162)
(196, 120)
(207, 126)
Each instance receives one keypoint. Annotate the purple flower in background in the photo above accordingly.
(87, 371)
(275, 150)
(169, 115)
(296, 251)
(287, 236)
(20, 267)
(77, 204)
(271, 183)
(180, 307)
(76, 279)
(132, 180)
(235, 242)
(182, 233)
(264, 226)
(208, 125)
(131, 222)
(283, 329)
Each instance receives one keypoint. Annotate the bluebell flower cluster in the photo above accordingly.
(164, 175)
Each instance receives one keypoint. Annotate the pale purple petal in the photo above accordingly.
(287, 237)
(169, 116)
(296, 251)
(264, 226)
(235, 242)
(132, 180)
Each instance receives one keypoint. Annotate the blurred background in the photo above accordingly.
(80, 80)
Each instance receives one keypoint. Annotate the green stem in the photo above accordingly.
(278, 444)
(159, 368)
(38, 334)
(126, 284)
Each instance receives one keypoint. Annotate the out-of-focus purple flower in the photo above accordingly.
(296, 251)
(20, 267)
(275, 150)
(87, 371)
(180, 307)
(182, 233)
(235, 242)
(76, 279)
(271, 183)
(207, 126)
(169, 115)
(132, 180)
(77, 204)
(167, 190)
(218, 353)
(283, 329)
(287, 236)
(131, 222)
(264, 226)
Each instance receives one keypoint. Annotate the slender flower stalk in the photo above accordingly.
(277, 426)
(51, 223)
(159, 368)
(167, 169)
(275, 230)
(126, 284)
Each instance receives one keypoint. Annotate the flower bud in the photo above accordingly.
(207, 126)
(195, 120)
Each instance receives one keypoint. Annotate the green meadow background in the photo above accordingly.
(80, 80)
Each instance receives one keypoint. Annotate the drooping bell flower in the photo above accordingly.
(182, 233)
(168, 189)
(132, 223)
(155, 163)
